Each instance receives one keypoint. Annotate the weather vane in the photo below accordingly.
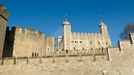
(101, 18)
(66, 16)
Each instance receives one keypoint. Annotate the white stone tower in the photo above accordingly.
(104, 35)
(103, 29)
(67, 34)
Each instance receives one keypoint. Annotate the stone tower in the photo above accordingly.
(103, 29)
(60, 41)
(104, 35)
(3, 24)
(67, 34)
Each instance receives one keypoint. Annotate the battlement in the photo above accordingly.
(54, 59)
(4, 12)
(19, 29)
(84, 34)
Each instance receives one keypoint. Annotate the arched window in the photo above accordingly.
(74, 48)
(106, 43)
(91, 42)
(35, 54)
(83, 48)
(48, 49)
(32, 54)
(98, 42)
(66, 51)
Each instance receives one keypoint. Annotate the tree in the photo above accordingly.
(129, 28)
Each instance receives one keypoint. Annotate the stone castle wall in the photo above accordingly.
(67, 65)
(28, 42)
(111, 61)
(3, 24)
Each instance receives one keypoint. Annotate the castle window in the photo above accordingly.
(35, 54)
(32, 54)
(91, 42)
(48, 49)
(66, 51)
(74, 48)
(83, 48)
(76, 41)
(72, 41)
(80, 41)
(106, 43)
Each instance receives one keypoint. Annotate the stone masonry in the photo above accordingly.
(3, 24)
(29, 42)
(83, 41)
(30, 52)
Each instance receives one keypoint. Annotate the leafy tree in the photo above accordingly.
(129, 28)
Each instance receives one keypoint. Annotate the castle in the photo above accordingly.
(83, 41)
(29, 42)
(30, 52)
(21, 43)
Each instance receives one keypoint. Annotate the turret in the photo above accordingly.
(67, 34)
(103, 28)
(104, 35)
(3, 25)
(60, 37)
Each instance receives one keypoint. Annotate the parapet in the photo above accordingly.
(19, 29)
(84, 34)
(33, 31)
(4, 12)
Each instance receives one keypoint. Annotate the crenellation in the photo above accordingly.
(29, 30)
(77, 33)
(84, 34)
(74, 33)
(40, 33)
(43, 35)
(81, 33)
(18, 29)
(96, 34)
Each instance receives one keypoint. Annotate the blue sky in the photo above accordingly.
(47, 15)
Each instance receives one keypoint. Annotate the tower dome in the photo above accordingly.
(66, 22)
(102, 23)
